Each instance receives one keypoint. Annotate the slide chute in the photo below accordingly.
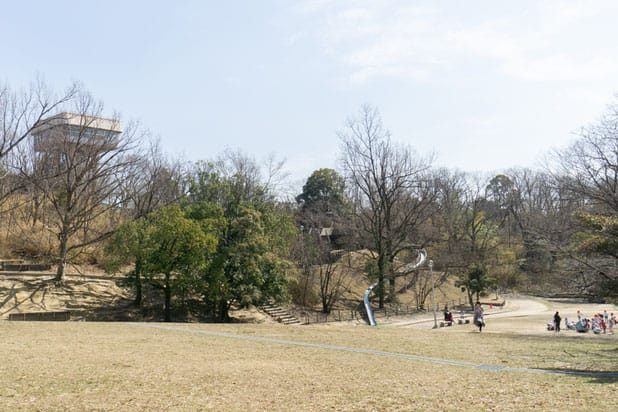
(422, 256)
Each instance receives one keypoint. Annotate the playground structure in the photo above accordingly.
(422, 257)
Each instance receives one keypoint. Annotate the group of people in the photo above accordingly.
(599, 323)
(478, 315)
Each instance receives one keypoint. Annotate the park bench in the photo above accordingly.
(462, 321)
(8, 262)
(41, 316)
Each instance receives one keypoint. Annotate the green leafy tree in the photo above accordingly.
(248, 265)
(323, 191)
(476, 281)
(177, 252)
(129, 245)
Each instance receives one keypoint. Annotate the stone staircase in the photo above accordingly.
(279, 314)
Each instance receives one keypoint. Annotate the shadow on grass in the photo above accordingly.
(610, 376)
(594, 377)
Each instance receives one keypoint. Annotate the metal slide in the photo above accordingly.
(422, 256)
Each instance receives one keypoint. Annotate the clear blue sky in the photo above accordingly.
(486, 85)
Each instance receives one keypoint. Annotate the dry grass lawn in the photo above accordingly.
(83, 366)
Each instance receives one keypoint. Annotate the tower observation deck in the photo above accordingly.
(65, 131)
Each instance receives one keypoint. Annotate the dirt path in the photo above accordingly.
(521, 314)
(514, 307)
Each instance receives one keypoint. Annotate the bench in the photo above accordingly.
(4, 262)
(462, 321)
(446, 323)
(41, 316)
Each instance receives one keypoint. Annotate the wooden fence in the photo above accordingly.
(342, 315)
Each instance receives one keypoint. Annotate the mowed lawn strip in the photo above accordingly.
(113, 366)
(567, 351)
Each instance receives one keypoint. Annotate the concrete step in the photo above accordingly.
(279, 314)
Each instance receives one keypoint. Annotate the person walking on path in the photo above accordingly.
(478, 316)
(612, 322)
(557, 320)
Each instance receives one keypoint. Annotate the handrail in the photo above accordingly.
(422, 256)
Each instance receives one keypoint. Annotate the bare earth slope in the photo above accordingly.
(85, 296)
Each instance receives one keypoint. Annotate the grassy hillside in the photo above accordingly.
(79, 366)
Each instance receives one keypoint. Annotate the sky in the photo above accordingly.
(483, 85)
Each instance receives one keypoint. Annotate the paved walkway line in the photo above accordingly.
(377, 352)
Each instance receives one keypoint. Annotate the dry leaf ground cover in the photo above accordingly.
(83, 366)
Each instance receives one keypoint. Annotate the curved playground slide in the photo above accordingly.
(422, 256)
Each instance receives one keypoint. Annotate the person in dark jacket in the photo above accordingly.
(557, 320)
(478, 316)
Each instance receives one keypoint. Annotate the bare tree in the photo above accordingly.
(334, 280)
(257, 177)
(588, 171)
(151, 181)
(317, 260)
(588, 168)
(77, 162)
(20, 113)
(543, 213)
(448, 225)
(392, 190)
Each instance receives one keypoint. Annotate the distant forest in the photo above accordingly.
(79, 187)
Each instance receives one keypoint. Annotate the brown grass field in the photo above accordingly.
(91, 366)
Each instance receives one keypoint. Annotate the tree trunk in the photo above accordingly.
(138, 283)
(222, 311)
(391, 274)
(381, 270)
(168, 298)
(62, 258)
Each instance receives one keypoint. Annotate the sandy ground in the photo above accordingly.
(36, 292)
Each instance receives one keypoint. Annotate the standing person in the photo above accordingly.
(557, 320)
(605, 321)
(478, 316)
(612, 322)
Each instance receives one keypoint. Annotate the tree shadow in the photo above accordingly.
(11, 302)
(87, 298)
(593, 376)
(573, 301)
